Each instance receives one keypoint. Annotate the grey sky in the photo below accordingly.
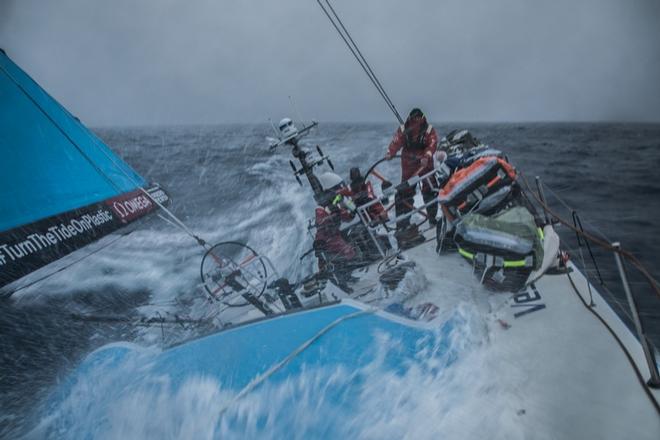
(134, 62)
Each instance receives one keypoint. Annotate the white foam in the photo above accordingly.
(453, 393)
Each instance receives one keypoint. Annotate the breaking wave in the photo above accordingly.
(435, 394)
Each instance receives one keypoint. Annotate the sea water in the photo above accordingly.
(226, 185)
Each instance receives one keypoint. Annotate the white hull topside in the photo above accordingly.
(552, 353)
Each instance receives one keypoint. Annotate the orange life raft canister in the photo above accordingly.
(485, 178)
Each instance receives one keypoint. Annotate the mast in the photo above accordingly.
(307, 167)
(291, 136)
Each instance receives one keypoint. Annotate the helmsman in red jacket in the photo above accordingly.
(417, 140)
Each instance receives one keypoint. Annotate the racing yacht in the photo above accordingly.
(484, 327)
(550, 359)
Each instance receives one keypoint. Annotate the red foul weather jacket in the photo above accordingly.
(328, 236)
(365, 194)
(411, 155)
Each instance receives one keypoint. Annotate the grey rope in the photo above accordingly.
(346, 36)
(305, 345)
(174, 220)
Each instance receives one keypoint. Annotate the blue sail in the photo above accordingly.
(61, 187)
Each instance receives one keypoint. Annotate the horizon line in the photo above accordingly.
(383, 122)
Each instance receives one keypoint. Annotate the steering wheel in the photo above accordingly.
(231, 269)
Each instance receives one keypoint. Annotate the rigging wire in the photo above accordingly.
(622, 306)
(599, 242)
(621, 344)
(373, 74)
(175, 221)
(63, 268)
(144, 321)
(352, 46)
(569, 208)
(95, 142)
(295, 108)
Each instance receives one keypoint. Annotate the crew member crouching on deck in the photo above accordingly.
(362, 192)
(334, 253)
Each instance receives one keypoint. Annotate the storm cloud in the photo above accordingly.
(148, 62)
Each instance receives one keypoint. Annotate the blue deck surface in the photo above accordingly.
(234, 357)
(49, 162)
